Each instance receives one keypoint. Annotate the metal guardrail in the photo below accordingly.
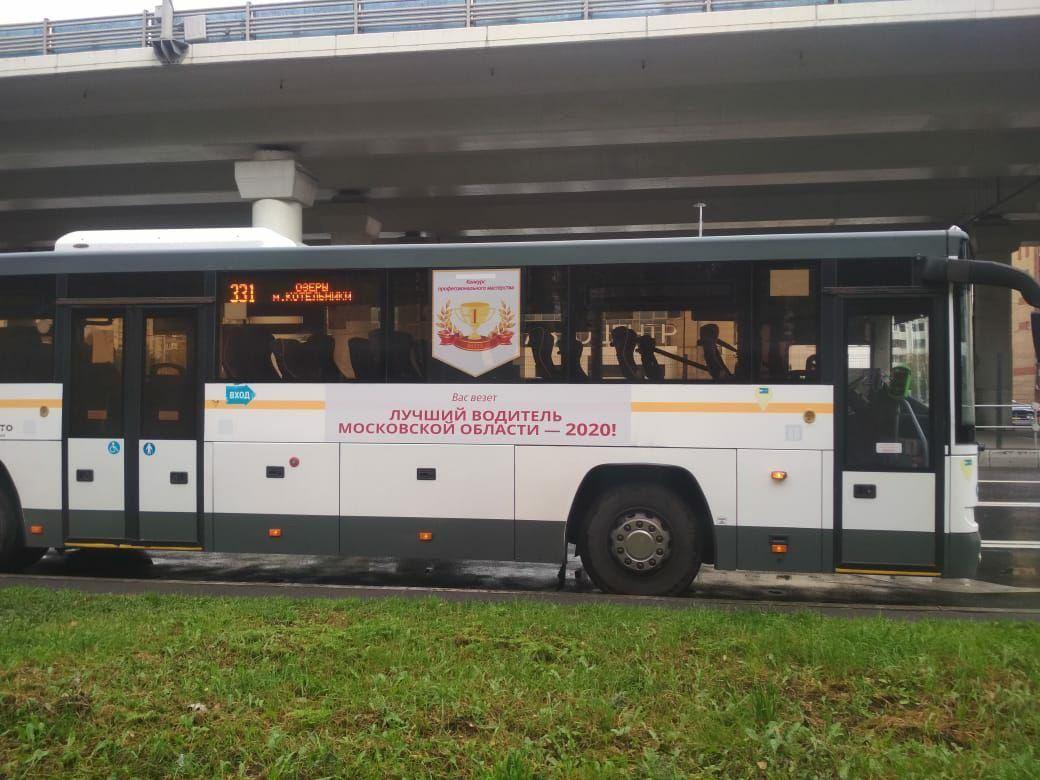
(1007, 436)
(343, 17)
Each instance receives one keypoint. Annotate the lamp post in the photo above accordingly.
(700, 218)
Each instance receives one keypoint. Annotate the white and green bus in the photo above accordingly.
(774, 402)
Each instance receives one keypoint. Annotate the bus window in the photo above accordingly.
(964, 364)
(545, 354)
(662, 322)
(888, 392)
(301, 326)
(97, 375)
(27, 346)
(786, 321)
(27, 329)
(144, 284)
(168, 402)
(408, 349)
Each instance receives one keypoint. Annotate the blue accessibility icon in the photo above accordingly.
(239, 395)
(113, 448)
(149, 448)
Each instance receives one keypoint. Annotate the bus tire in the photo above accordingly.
(14, 555)
(640, 538)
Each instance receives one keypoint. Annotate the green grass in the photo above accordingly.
(100, 686)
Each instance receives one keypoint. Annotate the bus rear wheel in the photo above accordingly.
(14, 555)
(640, 539)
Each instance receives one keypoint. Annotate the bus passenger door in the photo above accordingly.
(133, 437)
(890, 443)
(168, 440)
(96, 449)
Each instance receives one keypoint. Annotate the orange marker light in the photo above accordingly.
(36, 530)
(779, 476)
(274, 533)
(778, 547)
(426, 536)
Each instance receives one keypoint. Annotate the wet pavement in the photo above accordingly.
(307, 576)
(1010, 528)
(1009, 577)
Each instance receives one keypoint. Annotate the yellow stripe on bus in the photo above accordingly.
(731, 407)
(283, 405)
(29, 403)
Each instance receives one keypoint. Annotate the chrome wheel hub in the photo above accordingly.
(640, 541)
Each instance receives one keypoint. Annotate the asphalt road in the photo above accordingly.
(1010, 528)
(1008, 584)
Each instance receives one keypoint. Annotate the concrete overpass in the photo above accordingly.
(867, 114)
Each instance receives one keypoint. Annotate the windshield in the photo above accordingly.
(965, 363)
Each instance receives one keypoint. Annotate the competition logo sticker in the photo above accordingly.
(477, 311)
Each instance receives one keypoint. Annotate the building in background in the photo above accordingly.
(1024, 376)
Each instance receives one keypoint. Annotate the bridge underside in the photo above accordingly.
(847, 127)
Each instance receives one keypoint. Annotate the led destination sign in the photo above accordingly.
(287, 292)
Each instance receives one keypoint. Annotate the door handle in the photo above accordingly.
(864, 491)
(84, 475)
(426, 474)
(178, 477)
(276, 472)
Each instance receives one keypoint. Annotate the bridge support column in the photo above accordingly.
(360, 229)
(993, 354)
(280, 188)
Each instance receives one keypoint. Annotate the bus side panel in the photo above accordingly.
(207, 495)
(460, 495)
(35, 469)
(780, 500)
(963, 542)
(548, 478)
(276, 498)
(30, 450)
(776, 417)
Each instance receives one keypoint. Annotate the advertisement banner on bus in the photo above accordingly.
(503, 414)
(476, 312)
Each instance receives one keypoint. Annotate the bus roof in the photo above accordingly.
(797, 246)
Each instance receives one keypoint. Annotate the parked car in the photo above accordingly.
(1023, 414)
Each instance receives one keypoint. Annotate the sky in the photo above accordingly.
(16, 11)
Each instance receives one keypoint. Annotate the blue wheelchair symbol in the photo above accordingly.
(149, 449)
(113, 448)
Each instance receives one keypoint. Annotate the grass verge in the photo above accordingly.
(132, 686)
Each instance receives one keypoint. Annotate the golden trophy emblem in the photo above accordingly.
(472, 315)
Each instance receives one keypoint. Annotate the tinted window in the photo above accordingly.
(26, 328)
(406, 346)
(168, 392)
(301, 326)
(97, 376)
(136, 285)
(888, 388)
(964, 363)
(786, 323)
(543, 325)
(663, 322)
(409, 351)
(872, 273)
